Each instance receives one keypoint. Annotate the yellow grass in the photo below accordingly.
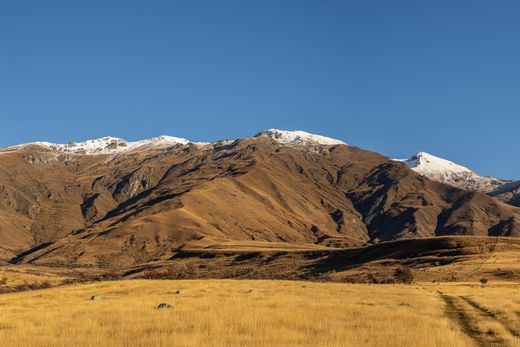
(228, 313)
(17, 275)
(501, 300)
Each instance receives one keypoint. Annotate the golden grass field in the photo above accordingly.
(261, 313)
(19, 275)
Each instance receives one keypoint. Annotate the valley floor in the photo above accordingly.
(262, 313)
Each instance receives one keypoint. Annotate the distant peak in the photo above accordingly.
(298, 137)
(425, 163)
(445, 171)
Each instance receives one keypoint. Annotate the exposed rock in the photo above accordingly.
(164, 306)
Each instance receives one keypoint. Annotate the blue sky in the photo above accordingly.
(396, 77)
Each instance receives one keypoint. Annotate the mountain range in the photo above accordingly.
(119, 204)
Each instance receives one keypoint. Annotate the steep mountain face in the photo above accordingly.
(445, 171)
(111, 207)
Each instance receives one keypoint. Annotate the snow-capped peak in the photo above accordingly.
(107, 145)
(298, 137)
(115, 145)
(430, 165)
(445, 171)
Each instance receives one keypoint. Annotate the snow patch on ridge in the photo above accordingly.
(107, 145)
(114, 145)
(298, 137)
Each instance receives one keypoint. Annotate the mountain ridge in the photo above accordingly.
(120, 211)
(425, 164)
(113, 145)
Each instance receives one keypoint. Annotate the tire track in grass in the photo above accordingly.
(505, 323)
(482, 328)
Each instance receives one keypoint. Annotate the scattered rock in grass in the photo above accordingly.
(179, 292)
(96, 297)
(164, 306)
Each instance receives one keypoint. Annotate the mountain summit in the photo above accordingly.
(445, 171)
(298, 137)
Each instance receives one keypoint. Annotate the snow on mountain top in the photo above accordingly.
(298, 137)
(114, 145)
(428, 164)
(164, 139)
(445, 171)
(108, 145)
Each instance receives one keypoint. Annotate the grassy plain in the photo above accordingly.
(261, 313)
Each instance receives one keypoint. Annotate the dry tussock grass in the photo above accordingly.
(13, 276)
(228, 313)
(499, 299)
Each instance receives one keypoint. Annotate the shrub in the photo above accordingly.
(171, 273)
(403, 274)
(378, 278)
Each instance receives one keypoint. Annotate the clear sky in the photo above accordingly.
(396, 77)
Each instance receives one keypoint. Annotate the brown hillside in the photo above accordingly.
(136, 207)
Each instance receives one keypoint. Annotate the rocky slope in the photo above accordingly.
(509, 192)
(104, 206)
